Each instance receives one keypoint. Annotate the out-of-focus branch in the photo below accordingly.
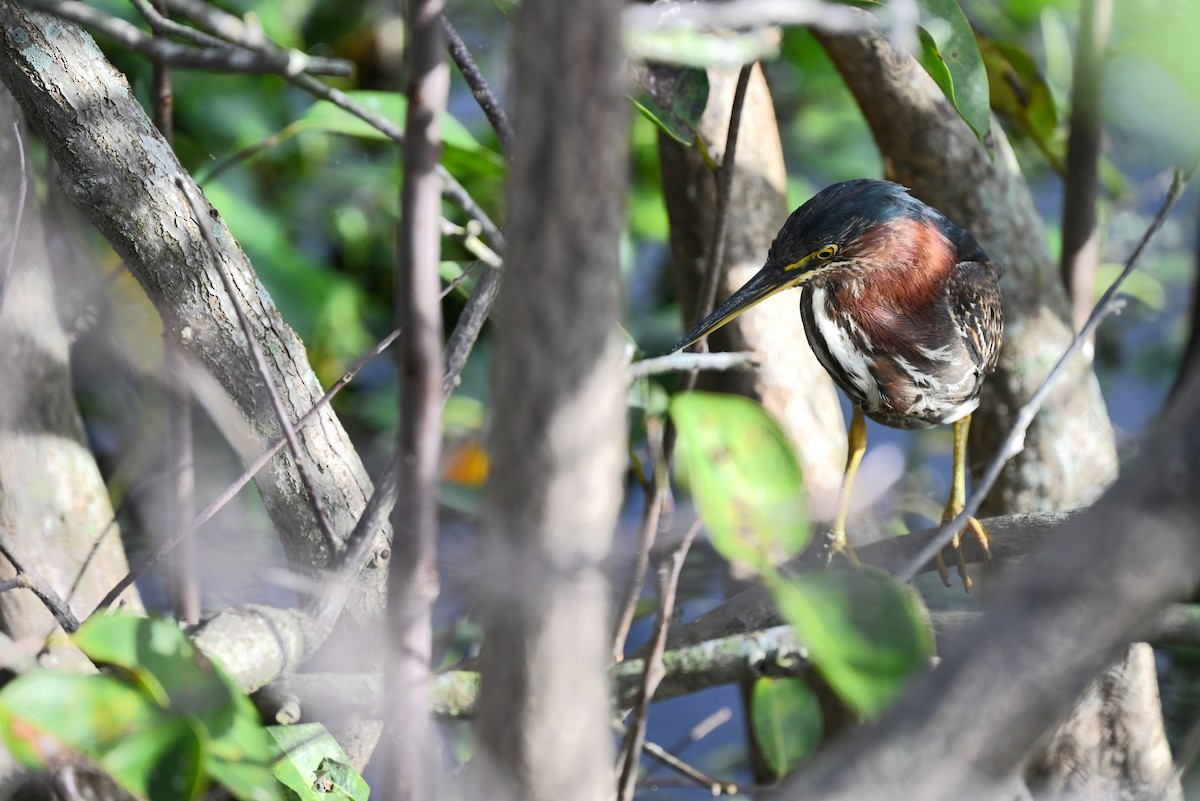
(413, 577)
(10, 258)
(1081, 186)
(484, 96)
(744, 14)
(732, 658)
(558, 414)
(224, 59)
(687, 362)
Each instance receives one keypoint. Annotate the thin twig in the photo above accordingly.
(468, 235)
(225, 59)
(18, 583)
(1014, 442)
(658, 498)
(260, 362)
(694, 774)
(653, 516)
(687, 362)
(452, 190)
(635, 739)
(716, 252)
(163, 26)
(246, 153)
(325, 610)
(712, 783)
(467, 329)
(45, 593)
(245, 478)
(478, 85)
(11, 257)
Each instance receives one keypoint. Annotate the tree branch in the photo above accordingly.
(272, 60)
(289, 432)
(478, 85)
(1045, 633)
(1012, 444)
(413, 577)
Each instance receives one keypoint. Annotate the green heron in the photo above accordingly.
(901, 307)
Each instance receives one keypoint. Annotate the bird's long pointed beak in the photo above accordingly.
(765, 283)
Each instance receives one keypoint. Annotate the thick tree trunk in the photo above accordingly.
(54, 506)
(120, 172)
(789, 381)
(558, 428)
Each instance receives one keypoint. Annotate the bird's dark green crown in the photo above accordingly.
(847, 213)
(851, 227)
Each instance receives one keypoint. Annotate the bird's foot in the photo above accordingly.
(976, 528)
(836, 543)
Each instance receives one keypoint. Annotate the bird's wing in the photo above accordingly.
(974, 289)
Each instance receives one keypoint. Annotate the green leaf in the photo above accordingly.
(508, 8)
(155, 654)
(745, 478)
(312, 765)
(451, 271)
(161, 659)
(866, 633)
(672, 97)
(456, 139)
(951, 57)
(787, 721)
(46, 717)
(1020, 96)
(240, 758)
(171, 757)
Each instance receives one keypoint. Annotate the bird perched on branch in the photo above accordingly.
(901, 307)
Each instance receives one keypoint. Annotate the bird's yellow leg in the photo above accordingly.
(856, 446)
(958, 499)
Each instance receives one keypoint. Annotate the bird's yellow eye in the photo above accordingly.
(826, 253)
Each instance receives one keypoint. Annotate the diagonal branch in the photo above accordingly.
(484, 96)
(45, 593)
(1012, 444)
